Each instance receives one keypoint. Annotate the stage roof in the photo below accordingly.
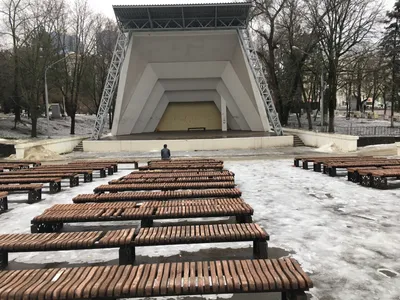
(182, 16)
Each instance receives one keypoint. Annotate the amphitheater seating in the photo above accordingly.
(158, 279)
(168, 186)
(128, 239)
(34, 190)
(54, 182)
(145, 195)
(52, 219)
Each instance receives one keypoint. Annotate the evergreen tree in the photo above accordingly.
(390, 44)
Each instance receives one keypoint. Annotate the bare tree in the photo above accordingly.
(36, 53)
(15, 18)
(77, 40)
(345, 25)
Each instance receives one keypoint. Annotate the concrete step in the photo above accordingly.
(297, 142)
(79, 147)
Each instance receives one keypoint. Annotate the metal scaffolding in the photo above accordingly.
(259, 76)
(111, 83)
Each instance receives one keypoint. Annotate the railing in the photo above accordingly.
(353, 129)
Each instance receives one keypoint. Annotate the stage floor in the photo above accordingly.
(188, 135)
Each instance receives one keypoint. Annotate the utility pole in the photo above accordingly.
(47, 94)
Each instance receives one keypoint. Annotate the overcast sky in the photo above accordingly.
(105, 6)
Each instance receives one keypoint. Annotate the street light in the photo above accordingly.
(321, 103)
(46, 93)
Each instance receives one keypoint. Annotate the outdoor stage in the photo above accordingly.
(188, 141)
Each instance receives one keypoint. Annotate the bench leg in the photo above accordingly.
(34, 196)
(146, 223)
(46, 227)
(305, 165)
(244, 219)
(294, 296)
(379, 182)
(317, 167)
(136, 165)
(55, 187)
(127, 255)
(110, 170)
(87, 177)
(366, 180)
(103, 173)
(115, 168)
(3, 204)
(74, 181)
(260, 249)
(349, 176)
(332, 171)
(3, 259)
(296, 163)
(356, 177)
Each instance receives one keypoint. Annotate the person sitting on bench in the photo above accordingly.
(165, 153)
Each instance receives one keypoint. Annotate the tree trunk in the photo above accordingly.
(34, 125)
(72, 116)
(332, 95)
(16, 93)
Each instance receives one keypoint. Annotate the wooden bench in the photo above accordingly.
(34, 190)
(133, 196)
(72, 177)
(122, 239)
(354, 176)
(307, 159)
(185, 160)
(125, 180)
(117, 161)
(52, 219)
(12, 167)
(282, 275)
(111, 167)
(212, 233)
(76, 169)
(54, 182)
(199, 167)
(87, 174)
(3, 202)
(167, 186)
(377, 178)
(128, 239)
(333, 166)
(180, 173)
(34, 163)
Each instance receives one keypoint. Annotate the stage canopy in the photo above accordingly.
(182, 16)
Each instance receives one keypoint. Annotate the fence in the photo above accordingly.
(354, 130)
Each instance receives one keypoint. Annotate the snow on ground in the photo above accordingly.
(340, 232)
(58, 127)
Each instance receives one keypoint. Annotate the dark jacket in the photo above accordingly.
(165, 153)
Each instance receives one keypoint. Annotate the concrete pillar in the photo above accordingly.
(223, 115)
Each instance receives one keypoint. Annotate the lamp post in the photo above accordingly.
(47, 95)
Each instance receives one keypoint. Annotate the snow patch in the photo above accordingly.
(328, 148)
(41, 153)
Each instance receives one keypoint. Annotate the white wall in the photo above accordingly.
(59, 146)
(188, 145)
(345, 143)
(193, 56)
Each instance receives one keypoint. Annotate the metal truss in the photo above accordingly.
(259, 76)
(111, 83)
(183, 24)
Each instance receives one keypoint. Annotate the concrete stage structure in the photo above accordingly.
(186, 68)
